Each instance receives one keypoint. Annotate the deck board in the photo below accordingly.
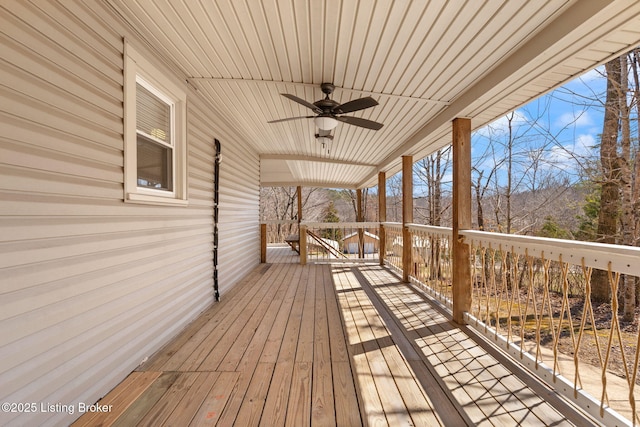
(403, 400)
(250, 410)
(141, 406)
(190, 404)
(212, 350)
(325, 345)
(275, 408)
(163, 408)
(322, 396)
(258, 363)
(173, 354)
(120, 399)
(299, 404)
(239, 338)
(216, 400)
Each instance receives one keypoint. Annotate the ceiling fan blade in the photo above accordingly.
(291, 118)
(355, 105)
(357, 121)
(302, 102)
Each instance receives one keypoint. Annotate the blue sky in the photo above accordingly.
(553, 135)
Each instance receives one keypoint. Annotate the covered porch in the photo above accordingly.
(330, 344)
(151, 301)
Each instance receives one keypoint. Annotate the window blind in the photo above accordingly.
(153, 115)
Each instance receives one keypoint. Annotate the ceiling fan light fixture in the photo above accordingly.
(325, 122)
(324, 139)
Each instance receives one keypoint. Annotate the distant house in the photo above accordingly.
(324, 243)
(420, 244)
(324, 247)
(371, 243)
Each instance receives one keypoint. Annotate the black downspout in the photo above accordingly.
(216, 200)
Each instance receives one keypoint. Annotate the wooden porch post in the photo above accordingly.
(302, 243)
(461, 217)
(359, 218)
(407, 215)
(302, 234)
(263, 243)
(382, 213)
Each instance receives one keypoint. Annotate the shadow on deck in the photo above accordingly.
(343, 345)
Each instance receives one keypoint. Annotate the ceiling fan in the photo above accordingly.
(328, 112)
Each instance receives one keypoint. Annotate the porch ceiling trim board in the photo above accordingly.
(315, 86)
(303, 158)
(312, 184)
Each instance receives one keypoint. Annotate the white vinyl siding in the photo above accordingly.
(90, 285)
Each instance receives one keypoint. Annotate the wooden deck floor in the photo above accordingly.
(328, 345)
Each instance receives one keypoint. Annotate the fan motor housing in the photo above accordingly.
(326, 105)
(327, 88)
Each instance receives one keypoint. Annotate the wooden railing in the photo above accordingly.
(432, 260)
(341, 241)
(277, 231)
(393, 245)
(431, 257)
(535, 298)
(323, 245)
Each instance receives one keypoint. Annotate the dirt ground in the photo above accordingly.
(589, 351)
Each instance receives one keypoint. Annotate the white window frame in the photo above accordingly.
(139, 70)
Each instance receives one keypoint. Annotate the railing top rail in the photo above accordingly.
(623, 259)
(341, 224)
(397, 225)
(431, 229)
(279, 221)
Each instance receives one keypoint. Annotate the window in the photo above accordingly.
(154, 139)
(155, 134)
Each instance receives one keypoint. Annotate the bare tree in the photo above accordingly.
(627, 215)
(394, 198)
(369, 213)
(280, 204)
(635, 71)
(610, 192)
(431, 172)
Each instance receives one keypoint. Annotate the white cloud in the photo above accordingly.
(584, 144)
(570, 156)
(561, 158)
(574, 118)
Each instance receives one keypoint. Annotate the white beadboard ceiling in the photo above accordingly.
(425, 62)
